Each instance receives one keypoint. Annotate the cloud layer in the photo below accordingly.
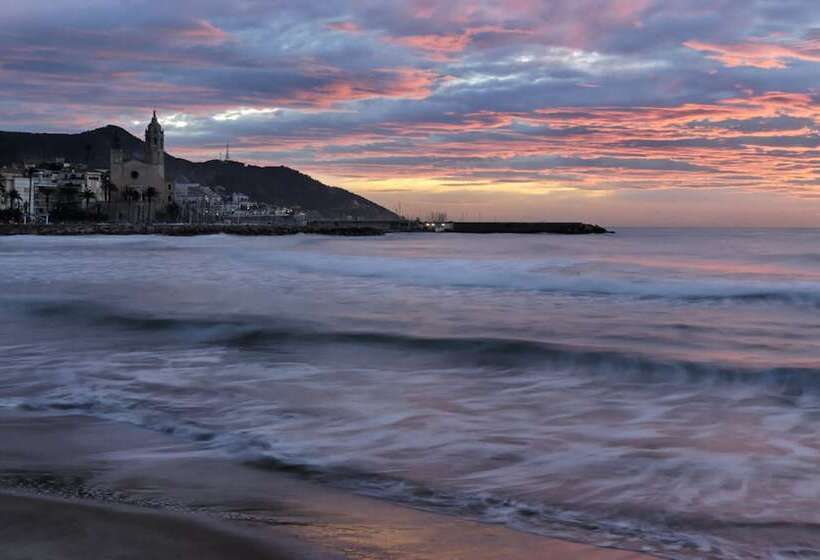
(516, 108)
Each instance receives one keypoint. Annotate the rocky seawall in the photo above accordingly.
(565, 228)
(324, 228)
(182, 229)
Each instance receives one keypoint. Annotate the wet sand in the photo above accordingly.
(34, 527)
(76, 487)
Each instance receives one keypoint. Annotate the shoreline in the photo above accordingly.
(78, 485)
(182, 230)
(340, 228)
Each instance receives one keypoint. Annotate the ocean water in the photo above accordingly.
(655, 390)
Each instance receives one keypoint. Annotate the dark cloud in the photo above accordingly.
(759, 124)
(528, 163)
(804, 141)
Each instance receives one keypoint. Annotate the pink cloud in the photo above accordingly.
(758, 54)
(202, 32)
(441, 46)
(345, 26)
(405, 83)
(628, 11)
(442, 30)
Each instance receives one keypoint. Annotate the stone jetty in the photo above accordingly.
(182, 229)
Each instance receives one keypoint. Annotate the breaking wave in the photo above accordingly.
(651, 391)
(558, 275)
(491, 354)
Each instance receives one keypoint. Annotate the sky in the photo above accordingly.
(619, 112)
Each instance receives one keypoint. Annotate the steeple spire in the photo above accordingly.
(154, 141)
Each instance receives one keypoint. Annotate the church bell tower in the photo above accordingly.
(155, 143)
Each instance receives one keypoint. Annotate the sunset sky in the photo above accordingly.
(620, 112)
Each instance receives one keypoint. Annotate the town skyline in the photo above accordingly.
(624, 112)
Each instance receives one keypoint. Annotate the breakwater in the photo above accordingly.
(344, 228)
(565, 228)
(383, 225)
(184, 229)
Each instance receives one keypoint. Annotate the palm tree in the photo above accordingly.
(137, 195)
(128, 194)
(108, 188)
(66, 194)
(13, 197)
(32, 193)
(47, 195)
(149, 195)
(87, 196)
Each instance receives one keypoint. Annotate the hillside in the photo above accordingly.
(275, 185)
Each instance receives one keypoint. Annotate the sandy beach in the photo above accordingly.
(43, 527)
(77, 487)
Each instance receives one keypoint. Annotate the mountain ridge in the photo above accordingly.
(278, 185)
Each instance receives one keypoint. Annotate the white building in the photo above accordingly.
(239, 198)
(93, 181)
(38, 193)
(7, 177)
(197, 203)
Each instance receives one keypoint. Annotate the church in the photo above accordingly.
(130, 176)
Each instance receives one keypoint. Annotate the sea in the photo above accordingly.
(653, 390)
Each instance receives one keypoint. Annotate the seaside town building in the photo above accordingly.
(41, 189)
(7, 177)
(132, 190)
(140, 183)
(240, 209)
(236, 201)
(202, 204)
(197, 203)
(38, 192)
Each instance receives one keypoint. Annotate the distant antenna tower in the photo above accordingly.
(228, 151)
